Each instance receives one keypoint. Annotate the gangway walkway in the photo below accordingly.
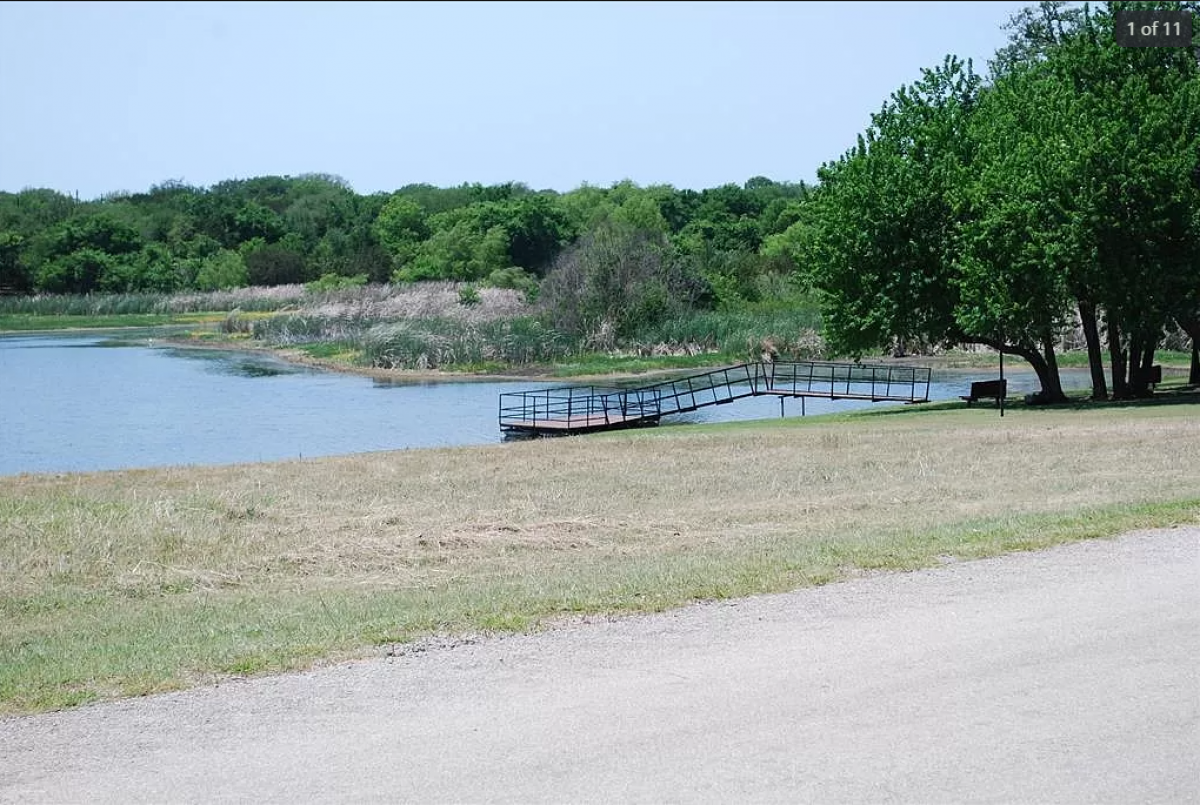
(584, 409)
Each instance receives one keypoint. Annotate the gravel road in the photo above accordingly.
(1068, 675)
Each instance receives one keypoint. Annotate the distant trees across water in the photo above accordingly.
(1061, 189)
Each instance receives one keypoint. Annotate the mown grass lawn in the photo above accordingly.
(124, 583)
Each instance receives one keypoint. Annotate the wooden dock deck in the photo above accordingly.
(585, 423)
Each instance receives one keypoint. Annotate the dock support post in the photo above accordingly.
(781, 407)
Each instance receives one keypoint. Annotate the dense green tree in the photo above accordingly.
(31, 211)
(151, 269)
(78, 271)
(400, 228)
(14, 275)
(318, 206)
(222, 271)
(273, 263)
(537, 228)
(876, 237)
(461, 252)
(1095, 143)
(997, 213)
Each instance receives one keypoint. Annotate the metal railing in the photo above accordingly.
(717, 387)
(856, 381)
(574, 408)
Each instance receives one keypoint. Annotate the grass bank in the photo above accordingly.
(28, 322)
(125, 583)
(1070, 359)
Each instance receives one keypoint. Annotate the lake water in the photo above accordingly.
(96, 401)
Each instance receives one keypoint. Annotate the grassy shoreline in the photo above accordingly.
(131, 582)
(423, 332)
(27, 323)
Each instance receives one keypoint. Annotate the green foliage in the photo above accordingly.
(400, 229)
(736, 280)
(14, 275)
(468, 296)
(460, 252)
(517, 279)
(616, 280)
(335, 282)
(273, 263)
(876, 236)
(1083, 194)
(992, 213)
(221, 271)
(151, 270)
(78, 271)
(296, 229)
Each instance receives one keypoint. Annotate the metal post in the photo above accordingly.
(1003, 388)
(781, 407)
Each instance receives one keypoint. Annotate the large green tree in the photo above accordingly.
(877, 236)
(1095, 143)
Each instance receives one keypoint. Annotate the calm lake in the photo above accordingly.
(99, 401)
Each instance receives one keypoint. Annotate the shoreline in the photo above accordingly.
(953, 363)
(938, 363)
(539, 375)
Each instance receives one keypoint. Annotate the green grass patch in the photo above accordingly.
(1076, 359)
(599, 364)
(25, 322)
(339, 352)
(48, 660)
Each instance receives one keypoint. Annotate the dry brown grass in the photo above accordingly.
(516, 532)
(392, 518)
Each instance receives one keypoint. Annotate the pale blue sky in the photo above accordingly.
(99, 97)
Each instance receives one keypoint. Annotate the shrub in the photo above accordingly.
(468, 296)
(335, 282)
(625, 277)
(222, 271)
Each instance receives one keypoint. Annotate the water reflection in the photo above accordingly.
(238, 364)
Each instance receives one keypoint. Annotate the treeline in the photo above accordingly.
(1061, 190)
(1064, 188)
(276, 230)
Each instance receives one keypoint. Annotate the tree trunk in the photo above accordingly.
(1147, 365)
(1135, 366)
(1192, 328)
(1051, 390)
(1117, 356)
(1091, 333)
(1051, 383)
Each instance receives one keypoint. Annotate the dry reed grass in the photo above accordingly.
(389, 518)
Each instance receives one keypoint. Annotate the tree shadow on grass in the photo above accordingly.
(1180, 395)
(1171, 396)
